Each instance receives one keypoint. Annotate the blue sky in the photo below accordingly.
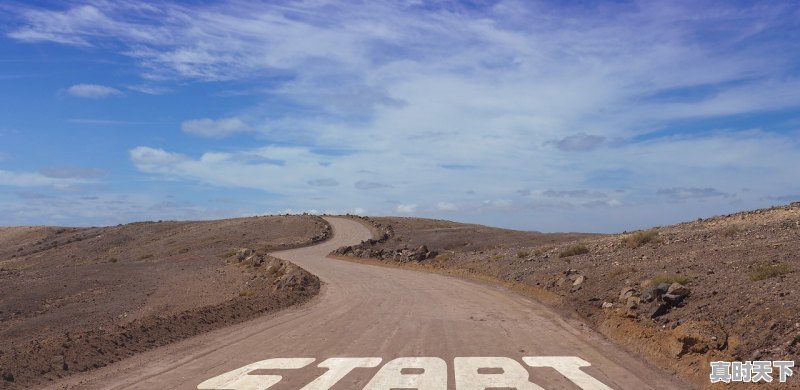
(551, 116)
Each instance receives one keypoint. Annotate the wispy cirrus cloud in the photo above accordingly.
(144, 157)
(580, 142)
(39, 179)
(324, 182)
(683, 193)
(149, 89)
(92, 91)
(215, 128)
(70, 171)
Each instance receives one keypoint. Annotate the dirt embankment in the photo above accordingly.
(723, 288)
(74, 299)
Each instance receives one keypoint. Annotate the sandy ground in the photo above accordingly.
(371, 311)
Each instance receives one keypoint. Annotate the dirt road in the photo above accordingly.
(387, 314)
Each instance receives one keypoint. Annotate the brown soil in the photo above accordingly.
(74, 299)
(741, 270)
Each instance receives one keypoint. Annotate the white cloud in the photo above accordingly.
(218, 128)
(93, 91)
(446, 206)
(406, 208)
(144, 157)
(69, 171)
(32, 179)
(149, 89)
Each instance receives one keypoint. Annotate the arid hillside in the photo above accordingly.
(723, 288)
(74, 299)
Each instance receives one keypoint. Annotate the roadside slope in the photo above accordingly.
(75, 299)
(735, 296)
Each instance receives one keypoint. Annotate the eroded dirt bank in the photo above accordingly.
(75, 299)
(723, 288)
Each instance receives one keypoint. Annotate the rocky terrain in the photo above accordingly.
(722, 288)
(74, 299)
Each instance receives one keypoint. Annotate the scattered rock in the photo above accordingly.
(579, 280)
(257, 260)
(626, 293)
(403, 255)
(244, 253)
(678, 289)
(607, 305)
(672, 299)
(658, 309)
(653, 293)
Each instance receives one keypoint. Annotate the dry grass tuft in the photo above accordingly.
(730, 231)
(669, 279)
(542, 250)
(638, 239)
(574, 250)
(762, 272)
(621, 270)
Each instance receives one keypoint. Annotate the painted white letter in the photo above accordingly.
(337, 369)
(431, 374)
(512, 374)
(240, 378)
(570, 367)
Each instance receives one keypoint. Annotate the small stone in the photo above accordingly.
(607, 305)
(579, 280)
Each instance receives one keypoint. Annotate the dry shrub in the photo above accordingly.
(762, 272)
(638, 239)
(574, 250)
(670, 278)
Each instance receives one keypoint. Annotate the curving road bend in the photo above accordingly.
(385, 315)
